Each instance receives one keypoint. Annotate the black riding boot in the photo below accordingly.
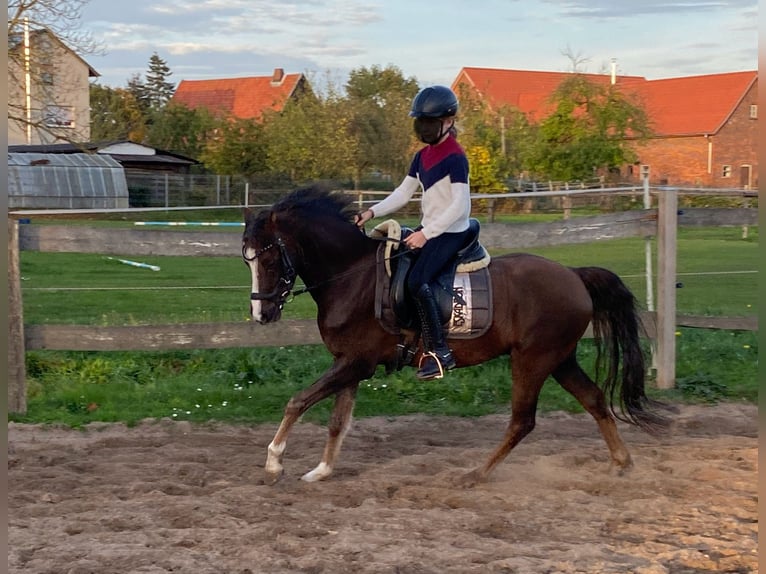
(437, 357)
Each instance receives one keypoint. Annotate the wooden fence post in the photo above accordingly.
(17, 383)
(667, 223)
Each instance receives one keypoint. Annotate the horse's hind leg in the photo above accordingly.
(570, 376)
(340, 422)
(528, 378)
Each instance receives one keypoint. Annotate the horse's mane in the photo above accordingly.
(315, 201)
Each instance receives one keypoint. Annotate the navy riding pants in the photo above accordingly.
(433, 258)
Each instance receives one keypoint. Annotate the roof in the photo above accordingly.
(692, 105)
(65, 181)
(123, 151)
(524, 89)
(241, 97)
(62, 160)
(15, 40)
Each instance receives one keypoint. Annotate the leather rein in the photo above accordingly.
(284, 287)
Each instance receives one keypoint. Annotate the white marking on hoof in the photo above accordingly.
(321, 472)
(274, 458)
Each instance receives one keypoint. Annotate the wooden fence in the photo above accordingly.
(116, 241)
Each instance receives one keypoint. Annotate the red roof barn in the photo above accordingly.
(705, 127)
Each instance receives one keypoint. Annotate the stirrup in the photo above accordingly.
(440, 374)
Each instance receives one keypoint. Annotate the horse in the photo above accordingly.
(541, 309)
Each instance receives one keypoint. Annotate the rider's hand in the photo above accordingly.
(361, 218)
(416, 240)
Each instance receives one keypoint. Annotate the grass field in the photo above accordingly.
(252, 385)
(715, 266)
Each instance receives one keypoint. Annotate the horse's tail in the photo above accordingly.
(616, 330)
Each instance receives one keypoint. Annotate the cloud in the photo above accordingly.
(631, 8)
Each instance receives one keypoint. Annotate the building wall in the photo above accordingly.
(675, 161)
(735, 145)
(60, 94)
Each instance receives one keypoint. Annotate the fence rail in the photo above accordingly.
(246, 334)
(120, 241)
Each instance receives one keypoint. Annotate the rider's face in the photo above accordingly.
(431, 130)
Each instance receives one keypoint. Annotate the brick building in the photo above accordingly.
(705, 127)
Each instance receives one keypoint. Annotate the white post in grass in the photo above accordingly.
(648, 267)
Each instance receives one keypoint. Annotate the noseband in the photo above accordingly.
(286, 281)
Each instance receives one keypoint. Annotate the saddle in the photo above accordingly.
(463, 291)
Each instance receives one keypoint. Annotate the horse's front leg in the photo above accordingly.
(340, 422)
(339, 377)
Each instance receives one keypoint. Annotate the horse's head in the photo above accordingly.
(310, 224)
(273, 274)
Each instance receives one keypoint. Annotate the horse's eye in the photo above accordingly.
(270, 263)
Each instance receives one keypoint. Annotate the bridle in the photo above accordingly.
(284, 287)
(287, 277)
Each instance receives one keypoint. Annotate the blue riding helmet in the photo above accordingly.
(434, 102)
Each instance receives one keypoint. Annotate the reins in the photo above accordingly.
(306, 288)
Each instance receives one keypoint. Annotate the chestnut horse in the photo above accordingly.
(541, 310)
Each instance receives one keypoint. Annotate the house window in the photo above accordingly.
(59, 117)
(726, 171)
(754, 111)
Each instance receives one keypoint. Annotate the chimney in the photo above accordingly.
(277, 76)
(614, 71)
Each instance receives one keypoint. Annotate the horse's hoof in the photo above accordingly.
(321, 472)
(271, 478)
(621, 469)
(469, 479)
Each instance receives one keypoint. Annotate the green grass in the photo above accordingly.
(221, 284)
(253, 385)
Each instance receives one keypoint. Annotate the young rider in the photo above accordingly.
(440, 169)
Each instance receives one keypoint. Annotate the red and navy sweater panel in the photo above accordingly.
(434, 163)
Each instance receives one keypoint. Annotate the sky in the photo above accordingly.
(429, 40)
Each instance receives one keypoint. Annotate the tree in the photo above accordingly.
(53, 26)
(236, 148)
(137, 88)
(115, 115)
(158, 90)
(378, 101)
(180, 129)
(308, 139)
(591, 130)
(494, 140)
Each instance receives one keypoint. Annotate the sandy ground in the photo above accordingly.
(173, 497)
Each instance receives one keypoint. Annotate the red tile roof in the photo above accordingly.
(523, 89)
(676, 106)
(694, 105)
(241, 97)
